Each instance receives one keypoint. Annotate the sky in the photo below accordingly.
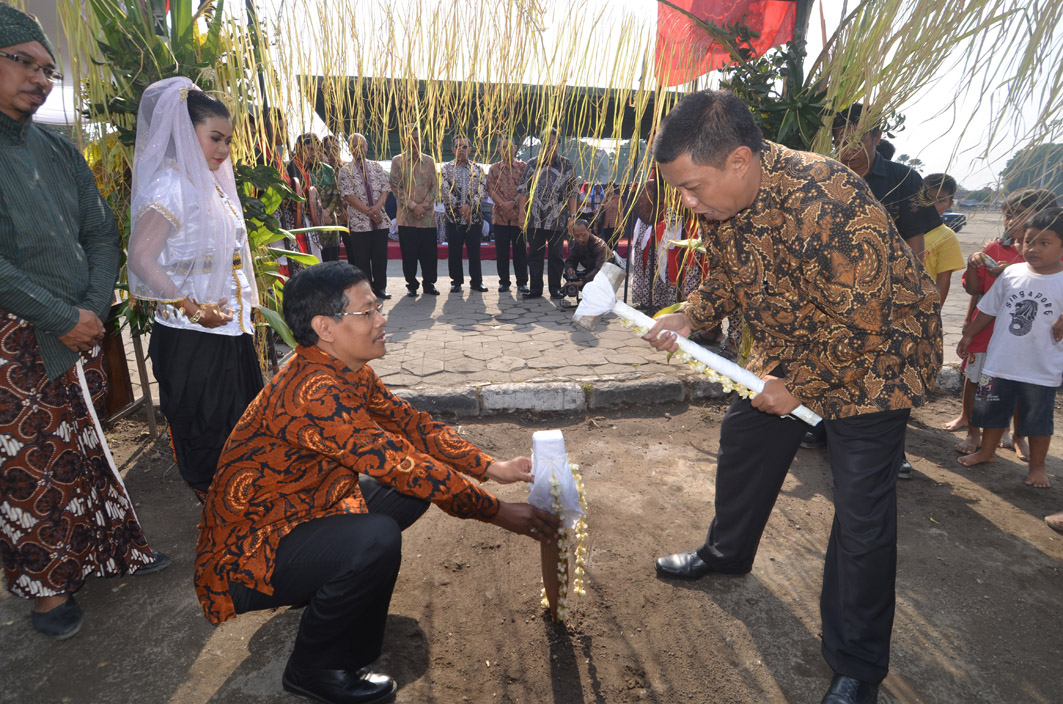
(934, 120)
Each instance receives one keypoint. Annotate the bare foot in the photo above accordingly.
(1038, 478)
(977, 458)
(957, 423)
(1005, 441)
(1022, 448)
(967, 447)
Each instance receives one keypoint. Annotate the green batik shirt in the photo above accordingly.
(58, 239)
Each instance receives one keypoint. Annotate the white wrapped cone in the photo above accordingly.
(549, 459)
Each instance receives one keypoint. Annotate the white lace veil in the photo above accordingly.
(191, 252)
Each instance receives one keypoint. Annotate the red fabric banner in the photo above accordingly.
(686, 51)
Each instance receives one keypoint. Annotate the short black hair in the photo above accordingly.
(317, 290)
(886, 149)
(708, 126)
(941, 182)
(1048, 219)
(582, 221)
(1035, 199)
(202, 107)
(851, 116)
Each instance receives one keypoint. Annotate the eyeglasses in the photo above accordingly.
(378, 308)
(32, 67)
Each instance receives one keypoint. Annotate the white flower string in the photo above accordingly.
(580, 552)
(727, 383)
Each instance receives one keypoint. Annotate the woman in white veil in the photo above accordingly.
(188, 253)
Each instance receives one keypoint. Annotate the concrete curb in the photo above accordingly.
(581, 395)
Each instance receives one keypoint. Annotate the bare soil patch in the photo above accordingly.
(979, 588)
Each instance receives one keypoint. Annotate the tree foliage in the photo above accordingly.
(1037, 166)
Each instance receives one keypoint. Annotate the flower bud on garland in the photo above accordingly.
(563, 539)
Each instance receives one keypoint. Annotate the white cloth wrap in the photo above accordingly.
(549, 459)
(599, 298)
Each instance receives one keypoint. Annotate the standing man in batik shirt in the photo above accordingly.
(64, 511)
(462, 191)
(547, 197)
(364, 186)
(415, 185)
(843, 319)
(503, 177)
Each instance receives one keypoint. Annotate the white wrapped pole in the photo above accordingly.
(599, 297)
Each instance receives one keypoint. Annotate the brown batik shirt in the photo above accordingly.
(836, 303)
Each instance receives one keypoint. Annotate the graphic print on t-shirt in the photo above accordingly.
(1024, 307)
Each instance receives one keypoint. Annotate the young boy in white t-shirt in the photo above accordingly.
(1024, 362)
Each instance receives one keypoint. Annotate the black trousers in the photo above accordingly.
(555, 263)
(469, 237)
(507, 236)
(344, 569)
(859, 574)
(206, 381)
(418, 246)
(369, 252)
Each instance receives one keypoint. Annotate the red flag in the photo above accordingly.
(686, 51)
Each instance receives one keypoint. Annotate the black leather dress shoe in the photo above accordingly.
(814, 439)
(683, 565)
(503, 287)
(478, 287)
(849, 690)
(455, 288)
(383, 295)
(530, 295)
(411, 292)
(557, 295)
(338, 686)
(523, 288)
(431, 290)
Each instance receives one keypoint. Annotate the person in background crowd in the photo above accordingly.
(414, 183)
(67, 514)
(547, 196)
(942, 254)
(331, 200)
(503, 177)
(461, 191)
(587, 254)
(610, 215)
(365, 188)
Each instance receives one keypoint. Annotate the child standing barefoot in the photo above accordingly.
(983, 268)
(1024, 362)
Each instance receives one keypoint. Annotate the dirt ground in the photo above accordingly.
(979, 588)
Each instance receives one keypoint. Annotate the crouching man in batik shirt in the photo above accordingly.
(844, 319)
(319, 478)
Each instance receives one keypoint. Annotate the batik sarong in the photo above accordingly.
(64, 511)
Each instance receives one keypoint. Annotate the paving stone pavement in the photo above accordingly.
(471, 353)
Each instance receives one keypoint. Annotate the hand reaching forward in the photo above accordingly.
(518, 469)
(525, 519)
